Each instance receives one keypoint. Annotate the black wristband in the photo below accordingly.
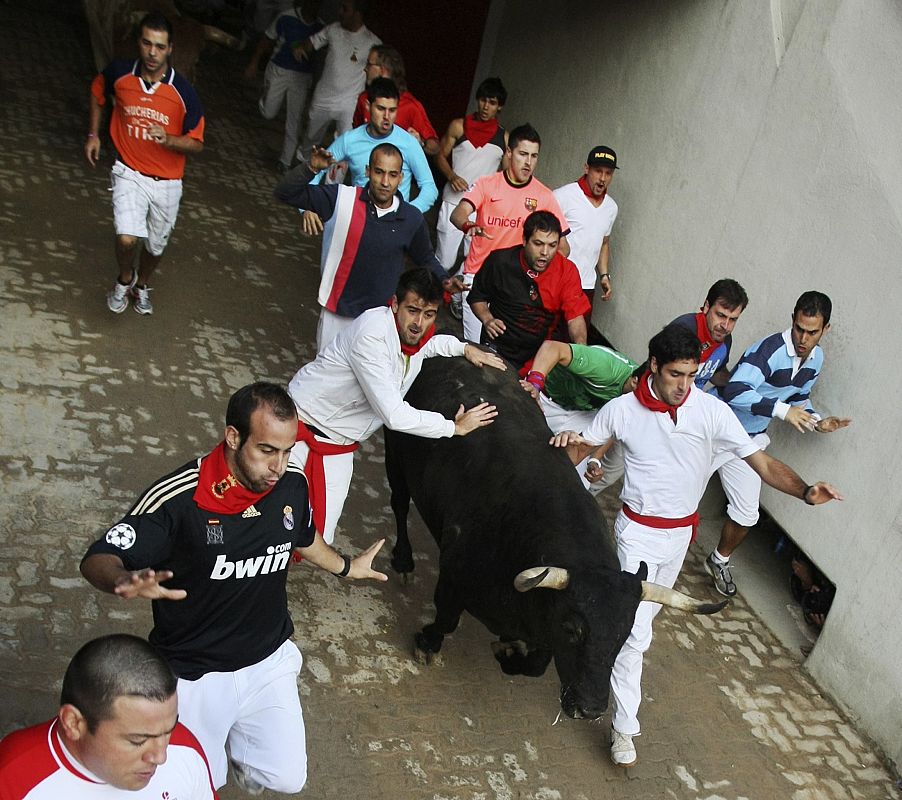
(346, 569)
(805, 495)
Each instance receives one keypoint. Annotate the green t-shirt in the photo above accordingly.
(595, 375)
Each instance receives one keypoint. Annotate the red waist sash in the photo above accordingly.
(664, 522)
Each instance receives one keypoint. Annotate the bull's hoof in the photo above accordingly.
(423, 653)
(403, 565)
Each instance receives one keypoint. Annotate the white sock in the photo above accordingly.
(719, 558)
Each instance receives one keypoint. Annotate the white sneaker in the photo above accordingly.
(142, 300)
(623, 751)
(117, 297)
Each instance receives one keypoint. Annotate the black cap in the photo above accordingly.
(602, 156)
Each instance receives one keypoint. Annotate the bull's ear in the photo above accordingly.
(642, 572)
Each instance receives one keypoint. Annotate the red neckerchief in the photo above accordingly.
(218, 490)
(313, 469)
(644, 396)
(479, 133)
(701, 331)
(584, 185)
(413, 349)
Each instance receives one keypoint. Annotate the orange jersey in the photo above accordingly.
(171, 103)
(501, 209)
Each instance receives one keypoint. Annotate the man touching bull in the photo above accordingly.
(670, 432)
(358, 382)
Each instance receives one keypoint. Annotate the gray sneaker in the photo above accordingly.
(117, 297)
(142, 300)
(243, 781)
(457, 306)
(723, 578)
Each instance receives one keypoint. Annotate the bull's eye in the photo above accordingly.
(575, 632)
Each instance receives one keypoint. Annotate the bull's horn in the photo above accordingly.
(542, 578)
(655, 593)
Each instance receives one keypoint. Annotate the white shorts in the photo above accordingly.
(741, 484)
(256, 712)
(144, 207)
(328, 327)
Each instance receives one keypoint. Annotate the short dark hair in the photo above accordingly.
(729, 292)
(119, 665)
(492, 87)
(388, 149)
(382, 87)
(389, 58)
(155, 21)
(541, 221)
(523, 133)
(424, 283)
(249, 398)
(674, 343)
(813, 303)
(361, 6)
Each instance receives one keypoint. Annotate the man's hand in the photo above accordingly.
(416, 135)
(566, 438)
(531, 389)
(476, 230)
(482, 358)
(362, 565)
(800, 419)
(594, 470)
(830, 424)
(458, 184)
(157, 134)
(494, 327)
(454, 285)
(477, 417)
(146, 583)
(311, 223)
(320, 159)
(92, 150)
(607, 290)
(821, 492)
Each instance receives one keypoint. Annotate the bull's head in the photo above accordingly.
(591, 622)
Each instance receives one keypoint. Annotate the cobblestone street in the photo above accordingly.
(94, 406)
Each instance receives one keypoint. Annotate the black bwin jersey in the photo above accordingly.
(233, 567)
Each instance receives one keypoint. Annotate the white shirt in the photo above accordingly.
(588, 227)
(343, 79)
(667, 466)
(358, 383)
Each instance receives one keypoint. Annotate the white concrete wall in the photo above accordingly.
(758, 140)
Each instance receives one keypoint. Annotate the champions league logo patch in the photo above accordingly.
(531, 204)
(122, 536)
(288, 519)
(214, 532)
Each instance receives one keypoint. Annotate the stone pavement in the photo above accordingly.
(94, 406)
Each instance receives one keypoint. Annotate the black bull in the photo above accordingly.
(510, 517)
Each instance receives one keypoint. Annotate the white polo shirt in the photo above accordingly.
(588, 227)
(667, 466)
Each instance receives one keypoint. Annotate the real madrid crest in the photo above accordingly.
(288, 518)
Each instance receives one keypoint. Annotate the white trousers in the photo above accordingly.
(321, 116)
(741, 484)
(291, 87)
(663, 550)
(256, 713)
(448, 237)
(338, 470)
(328, 327)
